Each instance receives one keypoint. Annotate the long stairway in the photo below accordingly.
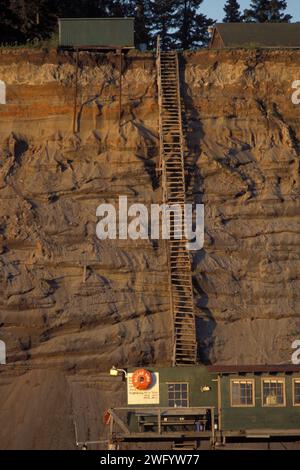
(171, 166)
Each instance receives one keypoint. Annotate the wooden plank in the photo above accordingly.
(75, 94)
(119, 422)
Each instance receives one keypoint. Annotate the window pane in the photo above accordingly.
(235, 393)
(177, 394)
(242, 393)
(273, 392)
(297, 392)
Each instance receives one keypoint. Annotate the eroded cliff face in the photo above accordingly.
(75, 305)
(67, 296)
(244, 138)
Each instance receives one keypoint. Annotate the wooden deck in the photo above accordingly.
(162, 423)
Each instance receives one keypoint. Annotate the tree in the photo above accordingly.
(162, 21)
(258, 11)
(26, 13)
(141, 24)
(232, 10)
(263, 11)
(117, 8)
(81, 8)
(277, 9)
(191, 25)
(9, 31)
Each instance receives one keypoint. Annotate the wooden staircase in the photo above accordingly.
(171, 168)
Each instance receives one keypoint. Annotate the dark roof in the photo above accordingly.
(254, 368)
(259, 34)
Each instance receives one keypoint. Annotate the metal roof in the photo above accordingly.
(259, 34)
(224, 369)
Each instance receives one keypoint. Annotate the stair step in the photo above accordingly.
(187, 309)
(184, 329)
(181, 302)
(188, 341)
(184, 356)
(188, 335)
(191, 329)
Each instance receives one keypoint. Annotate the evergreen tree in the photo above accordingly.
(191, 25)
(277, 12)
(141, 24)
(117, 8)
(258, 11)
(162, 21)
(263, 11)
(81, 8)
(9, 31)
(27, 17)
(232, 11)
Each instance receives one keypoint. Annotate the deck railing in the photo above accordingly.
(162, 423)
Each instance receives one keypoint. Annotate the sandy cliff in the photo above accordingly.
(74, 305)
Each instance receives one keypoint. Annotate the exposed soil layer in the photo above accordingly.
(72, 306)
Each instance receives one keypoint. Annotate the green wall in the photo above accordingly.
(233, 418)
(196, 377)
(259, 417)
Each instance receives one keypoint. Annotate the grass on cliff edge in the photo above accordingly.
(36, 43)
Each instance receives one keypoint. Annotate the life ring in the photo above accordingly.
(141, 379)
(106, 417)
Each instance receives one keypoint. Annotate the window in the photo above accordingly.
(273, 392)
(296, 392)
(178, 395)
(242, 393)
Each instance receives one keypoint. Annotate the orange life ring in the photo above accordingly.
(106, 417)
(141, 379)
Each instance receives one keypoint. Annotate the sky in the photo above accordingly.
(214, 8)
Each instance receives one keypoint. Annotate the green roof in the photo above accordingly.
(259, 34)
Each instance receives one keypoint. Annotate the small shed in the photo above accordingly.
(255, 35)
(106, 33)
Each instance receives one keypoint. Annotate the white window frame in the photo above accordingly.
(252, 381)
(270, 379)
(296, 379)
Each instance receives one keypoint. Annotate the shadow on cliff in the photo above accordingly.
(193, 132)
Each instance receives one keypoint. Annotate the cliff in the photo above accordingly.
(72, 306)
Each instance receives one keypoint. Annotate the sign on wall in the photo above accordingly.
(143, 397)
